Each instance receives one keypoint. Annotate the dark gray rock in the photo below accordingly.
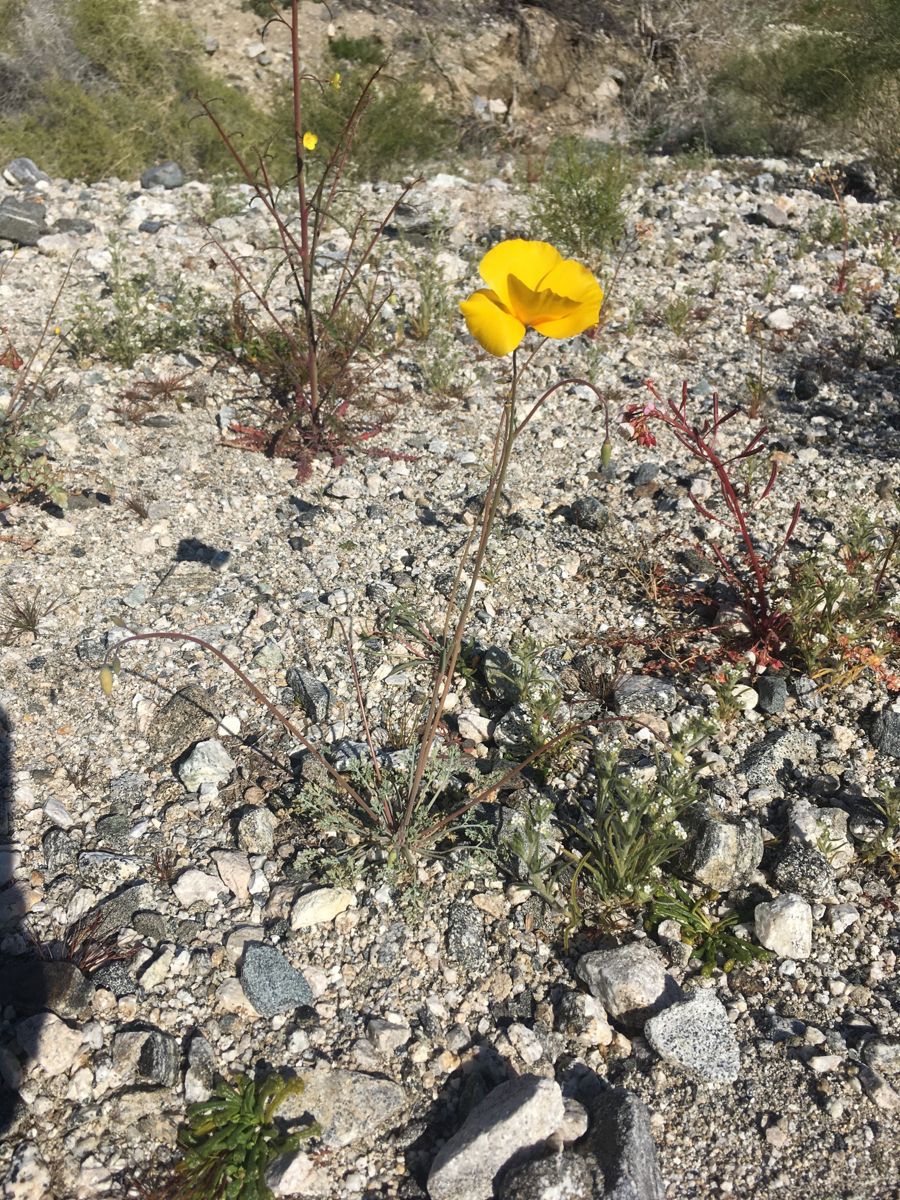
(805, 870)
(643, 693)
(166, 175)
(645, 473)
(112, 830)
(885, 732)
(80, 225)
(566, 1176)
(587, 512)
(806, 385)
(861, 181)
(697, 1036)
(772, 692)
(310, 693)
(32, 986)
(116, 912)
(23, 172)
(619, 1135)
(270, 983)
(466, 943)
(22, 221)
(191, 715)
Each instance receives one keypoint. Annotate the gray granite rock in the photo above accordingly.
(465, 937)
(192, 715)
(696, 1035)
(270, 983)
(256, 830)
(764, 761)
(566, 1176)
(510, 1124)
(166, 175)
(803, 869)
(350, 1106)
(309, 693)
(725, 853)
(643, 693)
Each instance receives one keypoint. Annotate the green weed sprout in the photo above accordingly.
(230, 1140)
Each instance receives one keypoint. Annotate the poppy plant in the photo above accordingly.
(530, 284)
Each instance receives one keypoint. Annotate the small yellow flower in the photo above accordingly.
(530, 284)
(335, 81)
(310, 141)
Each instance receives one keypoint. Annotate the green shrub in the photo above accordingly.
(827, 76)
(365, 51)
(578, 203)
(110, 91)
(398, 129)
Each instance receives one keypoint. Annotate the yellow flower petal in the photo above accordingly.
(570, 278)
(577, 321)
(490, 324)
(310, 140)
(528, 262)
(533, 308)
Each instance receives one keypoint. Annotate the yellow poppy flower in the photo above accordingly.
(310, 141)
(530, 284)
(335, 81)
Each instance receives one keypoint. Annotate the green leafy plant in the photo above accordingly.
(632, 829)
(230, 1139)
(137, 313)
(710, 936)
(578, 203)
(883, 851)
(843, 614)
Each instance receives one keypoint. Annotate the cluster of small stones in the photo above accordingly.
(453, 1044)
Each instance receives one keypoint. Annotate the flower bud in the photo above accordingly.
(606, 453)
(106, 679)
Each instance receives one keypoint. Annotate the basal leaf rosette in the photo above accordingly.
(530, 286)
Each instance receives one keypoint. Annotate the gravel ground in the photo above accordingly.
(405, 1007)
